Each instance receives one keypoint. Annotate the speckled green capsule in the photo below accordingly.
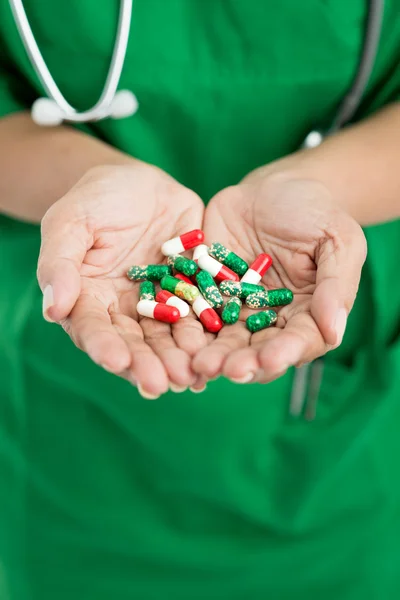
(278, 297)
(209, 289)
(261, 320)
(231, 312)
(241, 290)
(147, 291)
(151, 272)
(182, 264)
(183, 290)
(228, 258)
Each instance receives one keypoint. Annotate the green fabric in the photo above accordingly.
(217, 496)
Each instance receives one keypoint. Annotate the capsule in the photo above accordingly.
(151, 272)
(183, 278)
(228, 258)
(167, 298)
(209, 289)
(182, 264)
(183, 290)
(183, 242)
(147, 291)
(207, 315)
(216, 270)
(230, 314)
(261, 320)
(278, 297)
(158, 311)
(257, 269)
(239, 289)
(199, 251)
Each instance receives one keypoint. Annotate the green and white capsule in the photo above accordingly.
(228, 258)
(209, 289)
(182, 264)
(151, 272)
(183, 290)
(279, 297)
(230, 314)
(147, 291)
(240, 290)
(261, 320)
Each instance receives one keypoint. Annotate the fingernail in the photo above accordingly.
(245, 379)
(145, 394)
(198, 390)
(177, 389)
(48, 302)
(340, 325)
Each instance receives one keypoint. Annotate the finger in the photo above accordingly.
(189, 335)
(299, 342)
(209, 360)
(146, 369)
(241, 365)
(175, 360)
(65, 241)
(199, 385)
(339, 267)
(91, 329)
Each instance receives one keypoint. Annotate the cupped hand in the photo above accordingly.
(113, 218)
(318, 251)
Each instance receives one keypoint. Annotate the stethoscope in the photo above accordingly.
(54, 109)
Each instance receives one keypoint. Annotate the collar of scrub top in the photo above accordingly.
(123, 103)
(55, 109)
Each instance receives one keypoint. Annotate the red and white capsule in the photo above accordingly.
(216, 269)
(207, 315)
(199, 251)
(171, 300)
(184, 242)
(158, 311)
(257, 269)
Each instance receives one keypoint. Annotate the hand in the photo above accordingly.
(318, 251)
(116, 217)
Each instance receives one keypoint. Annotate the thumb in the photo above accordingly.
(65, 241)
(339, 263)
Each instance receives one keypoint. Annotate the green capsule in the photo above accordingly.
(278, 297)
(241, 290)
(230, 314)
(151, 272)
(183, 290)
(261, 320)
(182, 264)
(209, 289)
(147, 291)
(228, 258)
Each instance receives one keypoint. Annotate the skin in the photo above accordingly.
(297, 209)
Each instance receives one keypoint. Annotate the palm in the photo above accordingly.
(128, 216)
(291, 223)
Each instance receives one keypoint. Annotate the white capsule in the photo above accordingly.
(251, 276)
(158, 311)
(173, 246)
(209, 264)
(199, 251)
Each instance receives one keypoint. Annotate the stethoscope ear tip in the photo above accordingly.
(124, 104)
(46, 112)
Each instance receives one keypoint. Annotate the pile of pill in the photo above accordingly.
(203, 281)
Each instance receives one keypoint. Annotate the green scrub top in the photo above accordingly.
(216, 496)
